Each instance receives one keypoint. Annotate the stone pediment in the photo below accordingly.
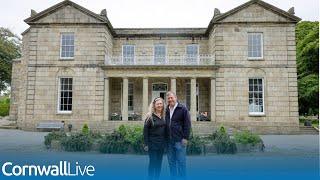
(67, 12)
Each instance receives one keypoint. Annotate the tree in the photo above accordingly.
(307, 36)
(10, 48)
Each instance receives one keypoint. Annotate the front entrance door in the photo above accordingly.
(159, 90)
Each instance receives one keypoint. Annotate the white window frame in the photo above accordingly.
(74, 49)
(159, 83)
(154, 53)
(121, 96)
(263, 97)
(134, 53)
(197, 94)
(198, 49)
(262, 44)
(59, 95)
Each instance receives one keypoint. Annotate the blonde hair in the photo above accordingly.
(152, 108)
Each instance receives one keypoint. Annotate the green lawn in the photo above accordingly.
(4, 106)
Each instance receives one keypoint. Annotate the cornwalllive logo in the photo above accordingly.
(64, 168)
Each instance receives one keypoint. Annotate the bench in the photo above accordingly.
(50, 126)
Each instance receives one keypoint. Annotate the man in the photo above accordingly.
(179, 124)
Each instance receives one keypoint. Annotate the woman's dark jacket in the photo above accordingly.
(155, 132)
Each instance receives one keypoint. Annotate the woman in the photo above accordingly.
(154, 133)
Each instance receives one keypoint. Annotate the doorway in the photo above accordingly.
(159, 89)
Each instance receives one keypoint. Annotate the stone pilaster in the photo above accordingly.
(173, 85)
(124, 110)
(193, 100)
(213, 100)
(106, 99)
(145, 100)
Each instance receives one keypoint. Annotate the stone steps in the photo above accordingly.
(308, 130)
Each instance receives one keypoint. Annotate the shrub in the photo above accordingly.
(85, 129)
(223, 143)
(246, 137)
(195, 145)
(53, 136)
(124, 139)
(4, 106)
(114, 143)
(77, 142)
(95, 135)
(134, 135)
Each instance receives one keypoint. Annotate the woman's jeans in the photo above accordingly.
(155, 161)
(177, 160)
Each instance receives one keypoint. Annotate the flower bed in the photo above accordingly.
(129, 140)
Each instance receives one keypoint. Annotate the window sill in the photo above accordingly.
(257, 115)
(66, 59)
(64, 113)
(256, 59)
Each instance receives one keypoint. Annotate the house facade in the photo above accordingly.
(239, 72)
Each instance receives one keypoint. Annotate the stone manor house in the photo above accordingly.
(239, 71)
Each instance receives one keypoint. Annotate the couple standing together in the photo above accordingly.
(167, 127)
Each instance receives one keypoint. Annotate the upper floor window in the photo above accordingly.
(67, 46)
(128, 54)
(255, 45)
(192, 53)
(159, 53)
(256, 97)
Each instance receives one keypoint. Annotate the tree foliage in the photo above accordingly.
(10, 48)
(307, 36)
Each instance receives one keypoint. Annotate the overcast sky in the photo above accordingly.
(148, 13)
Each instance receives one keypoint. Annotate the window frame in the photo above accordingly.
(154, 53)
(134, 53)
(61, 36)
(263, 97)
(261, 49)
(198, 50)
(129, 94)
(59, 96)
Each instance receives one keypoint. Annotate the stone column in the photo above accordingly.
(213, 100)
(106, 99)
(173, 85)
(145, 96)
(193, 99)
(124, 111)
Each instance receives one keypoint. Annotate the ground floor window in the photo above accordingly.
(256, 96)
(130, 96)
(65, 94)
(188, 96)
